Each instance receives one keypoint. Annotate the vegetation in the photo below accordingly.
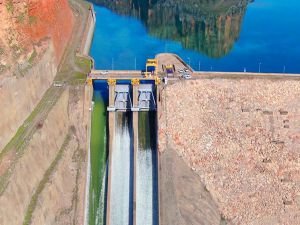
(83, 63)
(32, 57)
(9, 6)
(32, 20)
(21, 18)
(79, 76)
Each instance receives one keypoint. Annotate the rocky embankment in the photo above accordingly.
(241, 137)
(33, 37)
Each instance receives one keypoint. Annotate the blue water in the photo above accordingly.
(269, 38)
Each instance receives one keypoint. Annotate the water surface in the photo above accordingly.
(217, 35)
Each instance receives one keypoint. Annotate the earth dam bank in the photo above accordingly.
(45, 182)
(20, 95)
(239, 138)
(34, 161)
(43, 167)
(33, 38)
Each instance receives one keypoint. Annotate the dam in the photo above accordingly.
(130, 187)
(129, 192)
(129, 160)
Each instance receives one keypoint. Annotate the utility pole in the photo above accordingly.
(199, 66)
(259, 67)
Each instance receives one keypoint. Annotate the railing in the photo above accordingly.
(88, 32)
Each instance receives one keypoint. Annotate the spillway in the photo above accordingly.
(121, 201)
(98, 155)
(127, 192)
(147, 196)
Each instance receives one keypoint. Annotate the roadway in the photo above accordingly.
(166, 58)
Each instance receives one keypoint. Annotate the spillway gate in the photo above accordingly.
(143, 97)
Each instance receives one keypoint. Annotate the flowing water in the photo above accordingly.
(146, 196)
(98, 156)
(121, 202)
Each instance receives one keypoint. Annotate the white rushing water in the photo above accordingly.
(121, 174)
(100, 218)
(146, 196)
(144, 199)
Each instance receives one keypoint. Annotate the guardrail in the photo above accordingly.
(246, 74)
(107, 72)
(88, 32)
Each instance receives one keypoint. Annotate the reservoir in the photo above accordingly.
(212, 35)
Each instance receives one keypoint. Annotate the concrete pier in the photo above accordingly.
(111, 94)
(135, 120)
(111, 130)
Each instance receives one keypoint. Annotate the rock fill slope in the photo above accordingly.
(241, 136)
